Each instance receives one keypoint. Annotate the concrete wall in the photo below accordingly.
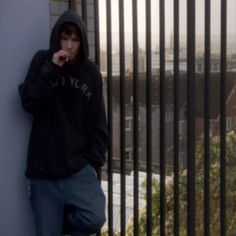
(24, 29)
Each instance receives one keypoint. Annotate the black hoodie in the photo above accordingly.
(69, 123)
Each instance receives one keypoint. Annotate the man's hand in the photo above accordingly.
(60, 57)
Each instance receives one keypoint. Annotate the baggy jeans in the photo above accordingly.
(74, 205)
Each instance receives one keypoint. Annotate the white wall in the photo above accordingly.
(24, 29)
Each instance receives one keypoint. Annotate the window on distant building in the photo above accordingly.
(128, 153)
(128, 123)
(181, 128)
(182, 158)
(228, 123)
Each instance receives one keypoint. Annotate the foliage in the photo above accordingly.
(199, 183)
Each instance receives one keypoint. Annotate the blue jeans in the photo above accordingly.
(74, 205)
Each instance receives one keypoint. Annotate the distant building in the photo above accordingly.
(199, 117)
(215, 64)
(116, 62)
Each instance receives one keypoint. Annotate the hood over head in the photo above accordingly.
(69, 16)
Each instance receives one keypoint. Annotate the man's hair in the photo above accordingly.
(69, 29)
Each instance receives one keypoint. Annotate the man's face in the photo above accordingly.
(70, 44)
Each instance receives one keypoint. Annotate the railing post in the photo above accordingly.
(191, 117)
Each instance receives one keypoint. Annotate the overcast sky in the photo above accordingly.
(215, 16)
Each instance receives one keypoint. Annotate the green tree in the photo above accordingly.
(214, 193)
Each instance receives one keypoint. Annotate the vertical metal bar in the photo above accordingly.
(122, 117)
(191, 117)
(223, 119)
(135, 118)
(162, 118)
(84, 11)
(176, 117)
(207, 119)
(97, 48)
(110, 120)
(97, 30)
(149, 117)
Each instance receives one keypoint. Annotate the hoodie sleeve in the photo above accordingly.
(37, 87)
(96, 152)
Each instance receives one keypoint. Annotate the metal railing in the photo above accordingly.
(190, 116)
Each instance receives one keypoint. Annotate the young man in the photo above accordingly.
(63, 91)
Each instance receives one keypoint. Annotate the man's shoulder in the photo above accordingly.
(41, 54)
(90, 65)
(40, 57)
(92, 69)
